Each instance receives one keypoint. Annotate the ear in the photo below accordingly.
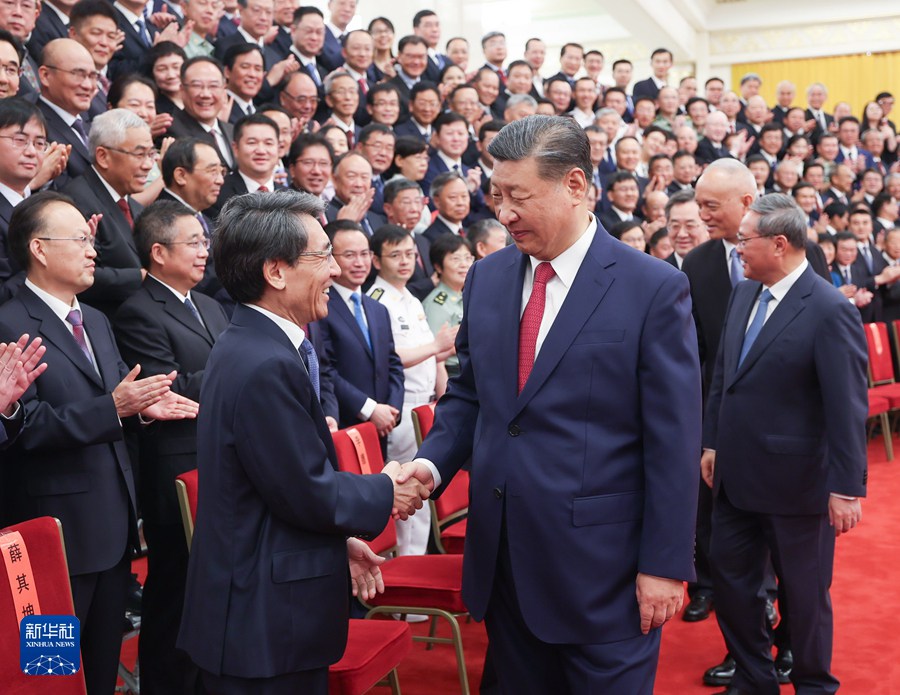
(101, 158)
(576, 183)
(376, 262)
(38, 255)
(179, 176)
(156, 254)
(273, 273)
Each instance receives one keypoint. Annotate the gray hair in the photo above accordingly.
(606, 111)
(813, 86)
(779, 214)
(332, 76)
(257, 227)
(680, 198)
(557, 144)
(750, 76)
(110, 129)
(517, 99)
(440, 182)
(736, 171)
(480, 230)
(396, 186)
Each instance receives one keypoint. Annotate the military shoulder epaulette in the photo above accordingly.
(377, 294)
(440, 298)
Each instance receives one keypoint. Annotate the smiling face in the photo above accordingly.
(256, 153)
(311, 171)
(178, 263)
(60, 265)
(306, 284)
(351, 251)
(203, 92)
(246, 77)
(19, 166)
(126, 167)
(167, 74)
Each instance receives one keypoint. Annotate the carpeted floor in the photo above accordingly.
(865, 593)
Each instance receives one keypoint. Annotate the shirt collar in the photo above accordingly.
(67, 117)
(407, 80)
(450, 162)
(237, 100)
(259, 42)
(566, 264)
(57, 306)
(294, 333)
(62, 17)
(345, 292)
(253, 186)
(112, 191)
(454, 227)
(14, 197)
(781, 288)
(353, 73)
(180, 199)
(129, 15)
(181, 297)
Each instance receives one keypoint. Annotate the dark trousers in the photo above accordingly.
(313, 682)
(164, 670)
(100, 607)
(525, 665)
(802, 551)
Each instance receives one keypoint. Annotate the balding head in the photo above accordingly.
(68, 76)
(716, 126)
(724, 194)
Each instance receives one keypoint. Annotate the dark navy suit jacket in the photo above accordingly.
(807, 372)
(269, 552)
(70, 460)
(594, 463)
(361, 373)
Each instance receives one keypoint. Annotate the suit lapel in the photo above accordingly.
(104, 353)
(66, 133)
(508, 330)
(53, 331)
(785, 312)
(177, 310)
(590, 285)
(343, 311)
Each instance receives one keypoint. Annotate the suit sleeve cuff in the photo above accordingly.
(368, 408)
(849, 498)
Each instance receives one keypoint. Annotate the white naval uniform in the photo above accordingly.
(410, 329)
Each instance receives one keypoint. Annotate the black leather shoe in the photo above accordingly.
(698, 609)
(771, 613)
(784, 662)
(731, 691)
(720, 674)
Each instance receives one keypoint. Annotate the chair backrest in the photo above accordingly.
(186, 487)
(359, 451)
(423, 420)
(44, 549)
(881, 365)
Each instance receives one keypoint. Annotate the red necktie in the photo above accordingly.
(530, 324)
(262, 189)
(363, 85)
(123, 206)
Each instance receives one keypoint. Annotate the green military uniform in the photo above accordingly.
(442, 306)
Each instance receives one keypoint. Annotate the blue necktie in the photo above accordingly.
(737, 270)
(142, 32)
(314, 74)
(190, 305)
(312, 364)
(756, 324)
(360, 319)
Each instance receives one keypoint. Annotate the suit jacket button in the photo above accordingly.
(498, 493)
(514, 431)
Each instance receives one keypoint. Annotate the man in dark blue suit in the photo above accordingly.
(70, 460)
(358, 339)
(270, 550)
(427, 25)
(583, 459)
(784, 485)
(660, 64)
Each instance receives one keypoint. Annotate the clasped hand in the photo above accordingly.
(410, 491)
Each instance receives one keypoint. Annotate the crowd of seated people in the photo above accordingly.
(149, 117)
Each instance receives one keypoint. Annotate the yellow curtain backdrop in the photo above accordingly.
(855, 79)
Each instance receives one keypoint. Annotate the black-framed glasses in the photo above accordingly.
(78, 73)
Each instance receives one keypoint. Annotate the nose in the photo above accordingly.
(334, 270)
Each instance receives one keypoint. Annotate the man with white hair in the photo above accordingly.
(785, 93)
(122, 155)
(816, 96)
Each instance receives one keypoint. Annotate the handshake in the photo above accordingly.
(413, 485)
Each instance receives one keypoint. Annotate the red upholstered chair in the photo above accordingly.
(186, 488)
(46, 551)
(414, 584)
(374, 648)
(878, 408)
(449, 511)
(881, 365)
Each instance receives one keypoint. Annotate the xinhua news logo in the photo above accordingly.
(50, 645)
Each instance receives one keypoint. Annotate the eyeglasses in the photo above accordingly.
(343, 92)
(300, 100)
(742, 240)
(200, 87)
(21, 142)
(11, 69)
(140, 155)
(314, 163)
(398, 255)
(384, 103)
(194, 244)
(84, 240)
(351, 256)
(460, 258)
(378, 146)
(78, 73)
(327, 252)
